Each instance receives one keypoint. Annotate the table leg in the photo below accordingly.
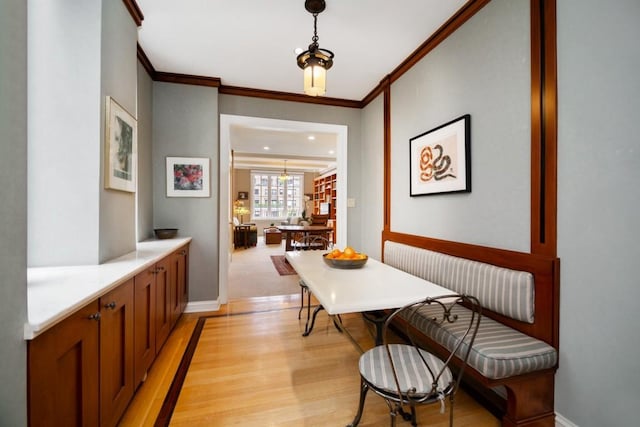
(377, 318)
(338, 323)
(287, 245)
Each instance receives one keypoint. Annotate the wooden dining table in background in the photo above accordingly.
(291, 230)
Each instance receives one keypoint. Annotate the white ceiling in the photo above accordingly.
(251, 43)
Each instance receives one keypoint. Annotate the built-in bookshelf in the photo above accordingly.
(324, 199)
(324, 191)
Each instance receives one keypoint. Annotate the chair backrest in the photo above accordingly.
(318, 219)
(313, 242)
(455, 316)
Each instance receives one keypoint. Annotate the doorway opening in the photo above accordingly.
(226, 169)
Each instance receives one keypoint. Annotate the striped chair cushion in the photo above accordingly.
(412, 372)
(505, 291)
(498, 350)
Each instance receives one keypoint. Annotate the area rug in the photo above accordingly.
(283, 267)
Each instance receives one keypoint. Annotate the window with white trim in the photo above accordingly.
(273, 198)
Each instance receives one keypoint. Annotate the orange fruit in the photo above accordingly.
(349, 252)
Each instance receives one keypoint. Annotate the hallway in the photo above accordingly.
(252, 274)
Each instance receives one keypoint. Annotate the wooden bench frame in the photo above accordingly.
(530, 397)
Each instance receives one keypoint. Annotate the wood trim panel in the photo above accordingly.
(386, 220)
(146, 63)
(544, 125)
(285, 96)
(187, 79)
(448, 28)
(452, 24)
(134, 11)
(545, 270)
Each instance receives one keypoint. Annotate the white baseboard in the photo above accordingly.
(202, 306)
(563, 422)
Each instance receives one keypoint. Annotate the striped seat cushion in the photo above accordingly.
(412, 372)
(505, 291)
(498, 351)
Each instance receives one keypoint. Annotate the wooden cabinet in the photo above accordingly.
(84, 370)
(179, 270)
(116, 352)
(63, 387)
(172, 292)
(163, 301)
(144, 324)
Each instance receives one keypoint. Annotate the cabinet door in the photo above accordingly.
(144, 324)
(173, 286)
(179, 287)
(163, 302)
(63, 368)
(183, 277)
(116, 353)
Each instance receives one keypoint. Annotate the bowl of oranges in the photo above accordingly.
(346, 259)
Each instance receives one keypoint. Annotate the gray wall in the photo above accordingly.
(185, 124)
(13, 212)
(64, 132)
(350, 117)
(372, 191)
(78, 54)
(144, 193)
(598, 383)
(482, 70)
(119, 80)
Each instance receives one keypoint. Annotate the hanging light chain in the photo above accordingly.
(315, 29)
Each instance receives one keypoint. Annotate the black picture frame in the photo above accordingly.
(440, 159)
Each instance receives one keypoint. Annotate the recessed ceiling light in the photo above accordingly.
(298, 50)
(266, 148)
(311, 138)
(331, 151)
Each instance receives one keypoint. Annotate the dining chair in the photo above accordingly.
(310, 242)
(406, 374)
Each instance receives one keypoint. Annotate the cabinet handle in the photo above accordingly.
(94, 316)
(159, 269)
(183, 252)
(110, 305)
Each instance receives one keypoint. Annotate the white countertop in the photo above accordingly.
(375, 286)
(53, 293)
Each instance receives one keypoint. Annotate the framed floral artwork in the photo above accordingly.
(188, 177)
(121, 142)
(440, 159)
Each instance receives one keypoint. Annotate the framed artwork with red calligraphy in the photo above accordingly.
(440, 159)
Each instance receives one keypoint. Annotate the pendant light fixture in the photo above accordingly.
(284, 175)
(316, 61)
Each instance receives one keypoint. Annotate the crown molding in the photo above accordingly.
(146, 63)
(285, 96)
(186, 79)
(135, 11)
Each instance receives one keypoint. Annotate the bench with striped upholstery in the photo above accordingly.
(509, 362)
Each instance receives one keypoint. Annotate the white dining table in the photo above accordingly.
(375, 286)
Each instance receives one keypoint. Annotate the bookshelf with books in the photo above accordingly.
(324, 195)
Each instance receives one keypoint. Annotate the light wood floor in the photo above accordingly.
(252, 367)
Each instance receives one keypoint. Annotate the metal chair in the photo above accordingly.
(407, 374)
(310, 242)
